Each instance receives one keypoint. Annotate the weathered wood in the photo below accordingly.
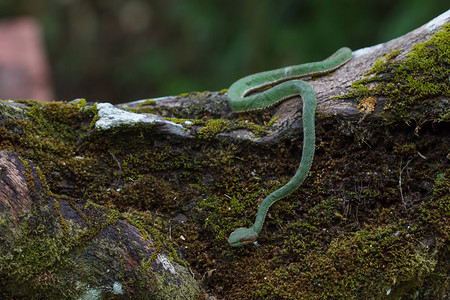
(326, 87)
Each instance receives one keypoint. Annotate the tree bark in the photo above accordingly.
(114, 257)
(326, 88)
(90, 213)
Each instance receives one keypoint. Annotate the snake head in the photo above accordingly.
(242, 236)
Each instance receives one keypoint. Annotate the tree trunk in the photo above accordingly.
(139, 202)
(79, 247)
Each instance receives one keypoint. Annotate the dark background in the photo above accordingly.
(119, 51)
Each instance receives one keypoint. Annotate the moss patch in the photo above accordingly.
(416, 89)
(436, 211)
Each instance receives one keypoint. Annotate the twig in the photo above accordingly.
(400, 183)
(120, 167)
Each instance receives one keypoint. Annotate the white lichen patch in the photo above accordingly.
(90, 293)
(117, 288)
(165, 262)
(111, 116)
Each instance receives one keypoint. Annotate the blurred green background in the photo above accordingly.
(119, 51)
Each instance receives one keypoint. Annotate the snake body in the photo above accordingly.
(261, 90)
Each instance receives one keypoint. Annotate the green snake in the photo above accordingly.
(261, 90)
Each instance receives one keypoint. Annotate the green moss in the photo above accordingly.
(145, 193)
(343, 234)
(436, 211)
(52, 136)
(48, 134)
(80, 103)
(375, 262)
(95, 225)
(406, 150)
(148, 106)
(10, 112)
(34, 260)
(96, 117)
(147, 102)
(192, 94)
(49, 248)
(412, 87)
(215, 126)
(156, 159)
(152, 229)
(238, 190)
(188, 123)
(157, 242)
(380, 65)
(273, 121)
(301, 236)
(34, 264)
(369, 264)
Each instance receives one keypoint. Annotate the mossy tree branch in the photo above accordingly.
(370, 220)
(350, 92)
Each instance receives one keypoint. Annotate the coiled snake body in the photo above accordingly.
(273, 87)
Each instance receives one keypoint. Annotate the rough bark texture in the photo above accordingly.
(135, 203)
(326, 87)
(104, 250)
